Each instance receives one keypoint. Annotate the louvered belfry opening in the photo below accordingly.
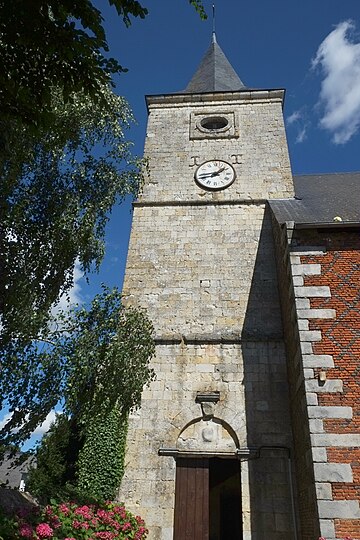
(207, 499)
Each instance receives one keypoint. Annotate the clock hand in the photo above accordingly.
(203, 175)
(218, 172)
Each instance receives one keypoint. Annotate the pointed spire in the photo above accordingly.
(215, 73)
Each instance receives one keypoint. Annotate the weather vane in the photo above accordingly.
(213, 24)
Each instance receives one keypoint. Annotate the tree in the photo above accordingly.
(55, 43)
(56, 193)
(64, 162)
(91, 360)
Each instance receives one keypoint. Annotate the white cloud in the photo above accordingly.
(294, 117)
(73, 296)
(44, 428)
(40, 430)
(301, 136)
(339, 60)
(299, 121)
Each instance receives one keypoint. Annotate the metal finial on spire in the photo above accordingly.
(213, 24)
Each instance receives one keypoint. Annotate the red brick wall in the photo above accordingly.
(340, 270)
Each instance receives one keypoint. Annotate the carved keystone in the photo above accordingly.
(207, 400)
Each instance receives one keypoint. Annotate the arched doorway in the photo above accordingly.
(208, 483)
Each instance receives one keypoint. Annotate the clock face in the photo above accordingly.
(215, 174)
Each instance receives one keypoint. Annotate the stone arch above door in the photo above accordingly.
(210, 435)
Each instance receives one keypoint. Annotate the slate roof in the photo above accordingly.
(10, 472)
(214, 74)
(320, 198)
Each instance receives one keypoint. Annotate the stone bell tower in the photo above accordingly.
(208, 453)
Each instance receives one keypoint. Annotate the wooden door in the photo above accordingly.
(191, 520)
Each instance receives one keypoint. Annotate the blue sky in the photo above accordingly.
(309, 47)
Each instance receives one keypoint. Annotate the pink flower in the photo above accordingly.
(105, 535)
(69, 538)
(64, 509)
(44, 530)
(55, 521)
(126, 526)
(83, 511)
(26, 531)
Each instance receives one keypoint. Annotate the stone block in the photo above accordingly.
(318, 360)
(302, 303)
(333, 472)
(316, 313)
(339, 509)
(319, 454)
(311, 398)
(336, 439)
(323, 490)
(327, 528)
(306, 269)
(316, 426)
(311, 335)
(330, 412)
(303, 324)
(306, 347)
(312, 292)
(331, 386)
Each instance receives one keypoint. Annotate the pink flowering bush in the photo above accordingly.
(71, 521)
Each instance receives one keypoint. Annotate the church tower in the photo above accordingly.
(209, 451)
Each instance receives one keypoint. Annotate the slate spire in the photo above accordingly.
(215, 73)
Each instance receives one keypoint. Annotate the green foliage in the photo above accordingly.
(101, 460)
(55, 197)
(96, 359)
(8, 526)
(53, 43)
(199, 7)
(46, 44)
(71, 462)
(54, 475)
(108, 521)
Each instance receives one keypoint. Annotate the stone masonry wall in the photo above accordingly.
(299, 398)
(257, 150)
(202, 264)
